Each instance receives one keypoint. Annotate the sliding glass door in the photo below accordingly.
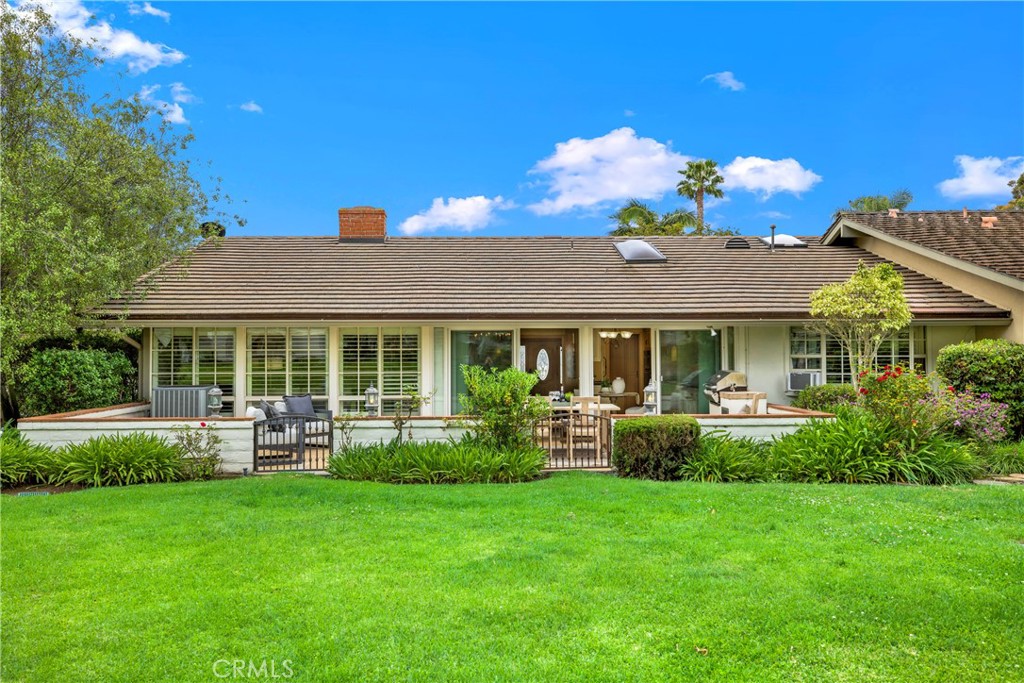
(488, 349)
(688, 359)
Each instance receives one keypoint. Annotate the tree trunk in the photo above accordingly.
(700, 212)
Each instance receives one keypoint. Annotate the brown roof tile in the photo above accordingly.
(999, 248)
(524, 278)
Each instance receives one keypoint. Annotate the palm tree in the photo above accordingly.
(637, 219)
(870, 203)
(700, 178)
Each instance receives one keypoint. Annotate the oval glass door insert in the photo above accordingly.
(543, 364)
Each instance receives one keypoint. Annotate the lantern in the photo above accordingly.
(372, 400)
(215, 401)
(650, 398)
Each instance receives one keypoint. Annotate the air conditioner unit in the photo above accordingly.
(797, 381)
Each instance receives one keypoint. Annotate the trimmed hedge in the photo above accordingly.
(655, 447)
(62, 380)
(990, 366)
(826, 398)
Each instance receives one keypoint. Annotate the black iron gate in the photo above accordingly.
(292, 443)
(575, 440)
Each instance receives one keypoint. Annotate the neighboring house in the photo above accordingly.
(266, 316)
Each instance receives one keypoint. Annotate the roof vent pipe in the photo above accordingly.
(771, 247)
(965, 213)
(893, 213)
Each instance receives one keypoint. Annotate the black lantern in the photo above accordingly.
(372, 400)
(650, 398)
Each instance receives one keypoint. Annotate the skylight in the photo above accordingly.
(639, 251)
(783, 241)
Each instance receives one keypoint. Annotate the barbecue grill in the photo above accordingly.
(726, 380)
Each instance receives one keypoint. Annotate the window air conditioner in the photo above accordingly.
(803, 379)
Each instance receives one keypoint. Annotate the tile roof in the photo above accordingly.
(523, 278)
(999, 248)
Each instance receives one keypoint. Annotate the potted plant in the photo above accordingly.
(606, 386)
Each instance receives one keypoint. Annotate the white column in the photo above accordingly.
(333, 369)
(586, 360)
(241, 385)
(427, 381)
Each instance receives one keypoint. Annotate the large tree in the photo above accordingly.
(862, 312)
(95, 193)
(868, 203)
(1017, 189)
(700, 179)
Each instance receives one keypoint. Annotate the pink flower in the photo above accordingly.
(202, 424)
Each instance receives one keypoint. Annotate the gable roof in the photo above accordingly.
(513, 278)
(999, 248)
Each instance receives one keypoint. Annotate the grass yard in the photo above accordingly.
(577, 577)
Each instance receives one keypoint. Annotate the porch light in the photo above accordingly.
(650, 398)
(215, 401)
(626, 334)
(372, 400)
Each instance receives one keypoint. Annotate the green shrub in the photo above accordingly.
(1007, 458)
(62, 380)
(501, 402)
(199, 449)
(654, 447)
(826, 397)
(23, 462)
(858, 447)
(990, 366)
(134, 458)
(437, 462)
(722, 458)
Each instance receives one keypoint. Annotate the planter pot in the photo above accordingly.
(618, 385)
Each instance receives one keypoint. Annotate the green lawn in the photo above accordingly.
(577, 577)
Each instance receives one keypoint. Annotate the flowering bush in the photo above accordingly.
(978, 417)
(910, 400)
(199, 450)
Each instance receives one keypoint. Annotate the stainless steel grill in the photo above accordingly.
(726, 380)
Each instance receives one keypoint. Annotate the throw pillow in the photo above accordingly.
(301, 405)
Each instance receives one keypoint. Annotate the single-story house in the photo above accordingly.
(267, 316)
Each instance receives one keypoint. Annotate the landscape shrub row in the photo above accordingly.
(117, 460)
(991, 366)
(856, 447)
(469, 460)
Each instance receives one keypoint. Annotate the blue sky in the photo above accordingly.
(534, 118)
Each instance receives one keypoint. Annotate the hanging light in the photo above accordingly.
(372, 400)
(626, 334)
(650, 398)
(603, 334)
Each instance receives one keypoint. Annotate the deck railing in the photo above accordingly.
(293, 443)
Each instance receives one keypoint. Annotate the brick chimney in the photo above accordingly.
(362, 223)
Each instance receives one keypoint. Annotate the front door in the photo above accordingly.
(544, 356)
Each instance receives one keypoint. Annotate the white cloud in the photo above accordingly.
(465, 214)
(725, 80)
(146, 8)
(179, 93)
(170, 111)
(982, 177)
(768, 176)
(251, 107)
(774, 214)
(629, 113)
(75, 20)
(585, 173)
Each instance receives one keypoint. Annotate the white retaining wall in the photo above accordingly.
(237, 433)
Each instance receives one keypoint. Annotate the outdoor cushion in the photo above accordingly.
(255, 413)
(270, 410)
(300, 405)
